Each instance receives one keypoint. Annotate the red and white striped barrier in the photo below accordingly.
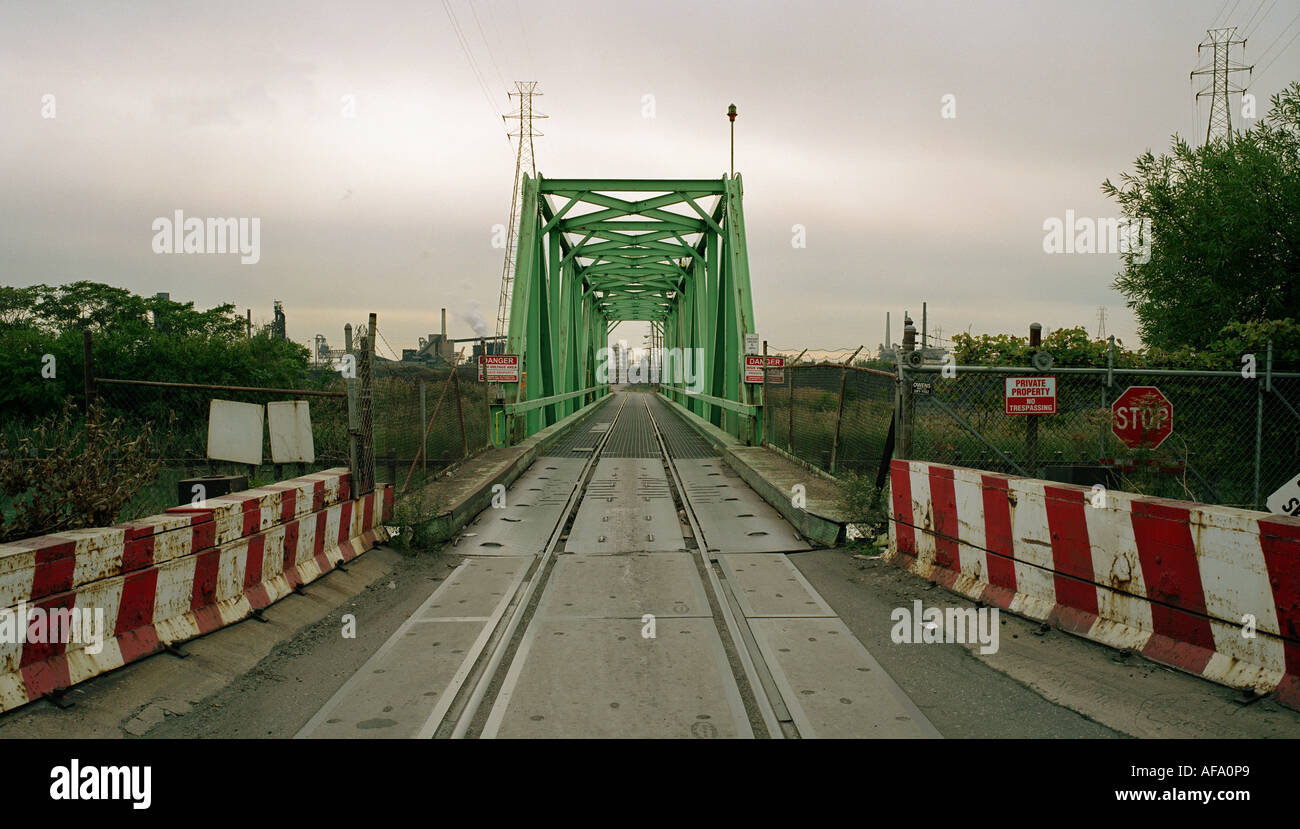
(37, 567)
(1211, 590)
(150, 602)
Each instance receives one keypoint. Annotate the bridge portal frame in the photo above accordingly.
(596, 252)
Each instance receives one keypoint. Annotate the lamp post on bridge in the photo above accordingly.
(731, 115)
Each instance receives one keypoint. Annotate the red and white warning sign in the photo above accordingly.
(776, 370)
(1030, 395)
(754, 369)
(499, 368)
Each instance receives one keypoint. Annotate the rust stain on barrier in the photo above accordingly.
(1120, 579)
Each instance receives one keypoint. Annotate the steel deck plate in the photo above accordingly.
(768, 585)
(733, 517)
(407, 685)
(599, 678)
(832, 685)
(665, 585)
(534, 505)
(680, 437)
(628, 508)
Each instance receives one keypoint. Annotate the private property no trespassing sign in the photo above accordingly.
(1030, 395)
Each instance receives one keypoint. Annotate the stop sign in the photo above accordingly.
(1142, 417)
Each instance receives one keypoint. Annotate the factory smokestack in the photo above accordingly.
(444, 323)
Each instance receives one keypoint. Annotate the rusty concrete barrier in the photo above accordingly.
(34, 568)
(170, 578)
(1214, 591)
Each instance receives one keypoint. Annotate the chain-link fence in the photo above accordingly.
(176, 417)
(393, 422)
(441, 410)
(831, 416)
(1233, 439)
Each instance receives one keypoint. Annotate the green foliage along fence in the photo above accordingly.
(1235, 438)
(1234, 441)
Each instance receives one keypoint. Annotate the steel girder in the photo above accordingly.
(595, 252)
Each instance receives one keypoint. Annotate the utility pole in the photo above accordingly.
(1221, 42)
(525, 91)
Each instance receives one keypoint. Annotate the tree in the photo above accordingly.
(1225, 221)
(135, 338)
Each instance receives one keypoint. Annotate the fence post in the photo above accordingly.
(424, 418)
(766, 418)
(789, 431)
(487, 395)
(460, 414)
(903, 445)
(1031, 421)
(366, 480)
(1259, 414)
(839, 413)
(88, 369)
(1105, 389)
(354, 428)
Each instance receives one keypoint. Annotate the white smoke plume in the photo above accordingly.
(473, 317)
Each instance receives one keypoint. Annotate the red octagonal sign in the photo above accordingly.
(1142, 417)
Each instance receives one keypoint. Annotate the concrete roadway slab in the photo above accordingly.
(625, 587)
(733, 517)
(534, 506)
(599, 678)
(406, 687)
(832, 685)
(628, 508)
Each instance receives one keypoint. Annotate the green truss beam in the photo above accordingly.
(614, 250)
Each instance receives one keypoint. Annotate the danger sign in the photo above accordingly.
(499, 368)
(1030, 395)
(1142, 417)
(754, 369)
(776, 370)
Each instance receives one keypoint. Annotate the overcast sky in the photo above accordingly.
(237, 109)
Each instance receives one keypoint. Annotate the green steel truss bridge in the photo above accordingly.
(596, 252)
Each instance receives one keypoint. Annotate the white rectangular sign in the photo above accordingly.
(291, 437)
(751, 343)
(235, 431)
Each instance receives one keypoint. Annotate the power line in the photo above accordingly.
(469, 57)
(1280, 35)
(1279, 54)
(1214, 21)
(1247, 29)
(1233, 9)
(491, 57)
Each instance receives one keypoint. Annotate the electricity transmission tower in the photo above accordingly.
(525, 91)
(1101, 322)
(1221, 42)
